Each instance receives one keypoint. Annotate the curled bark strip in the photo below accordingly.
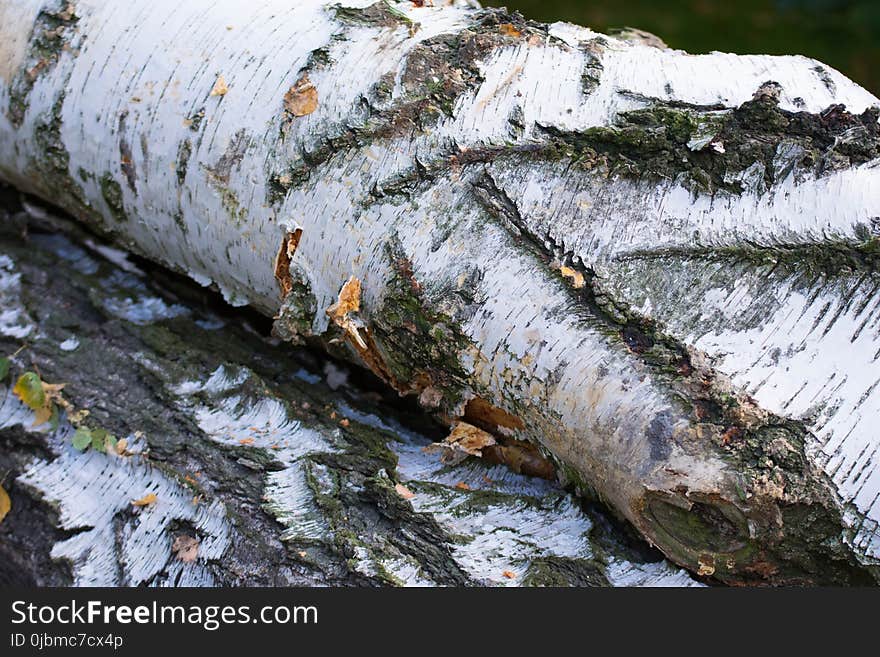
(520, 457)
(282, 261)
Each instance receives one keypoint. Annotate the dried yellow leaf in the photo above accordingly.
(576, 278)
(29, 389)
(42, 415)
(706, 566)
(470, 439)
(76, 417)
(146, 500)
(186, 548)
(509, 574)
(5, 503)
(507, 29)
(53, 389)
(464, 440)
(404, 492)
(302, 98)
(220, 87)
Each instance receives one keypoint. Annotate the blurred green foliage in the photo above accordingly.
(842, 33)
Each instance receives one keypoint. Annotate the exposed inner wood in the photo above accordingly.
(282, 261)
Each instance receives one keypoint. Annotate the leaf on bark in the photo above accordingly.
(39, 396)
(573, 276)
(146, 500)
(100, 440)
(302, 98)
(5, 503)
(82, 439)
(220, 87)
(404, 492)
(29, 389)
(186, 548)
(507, 29)
(464, 440)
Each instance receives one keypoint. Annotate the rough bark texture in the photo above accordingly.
(277, 463)
(660, 268)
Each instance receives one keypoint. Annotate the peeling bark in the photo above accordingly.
(663, 266)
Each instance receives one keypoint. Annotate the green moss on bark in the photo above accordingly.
(297, 313)
(421, 345)
(111, 192)
(51, 33)
(563, 572)
(51, 164)
(716, 150)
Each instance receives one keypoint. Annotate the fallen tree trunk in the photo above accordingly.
(660, 268)
(251, 462)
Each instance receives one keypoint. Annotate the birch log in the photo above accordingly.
(660, 268)
(270, 465)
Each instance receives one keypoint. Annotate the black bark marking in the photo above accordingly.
(126, 160)
(823, 75)
(183, 154)
(231, 158)
(659, 435)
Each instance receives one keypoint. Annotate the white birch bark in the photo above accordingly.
(659, 267)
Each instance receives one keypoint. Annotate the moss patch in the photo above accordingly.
(564, 571)
(51, 32)
(421, 345)
(111, 192)
(757, 144)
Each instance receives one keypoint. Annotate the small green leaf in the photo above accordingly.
(29, 389)
(82, 439)
(54, 419)
(98, 437)
(103, 440)
(4, 368)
